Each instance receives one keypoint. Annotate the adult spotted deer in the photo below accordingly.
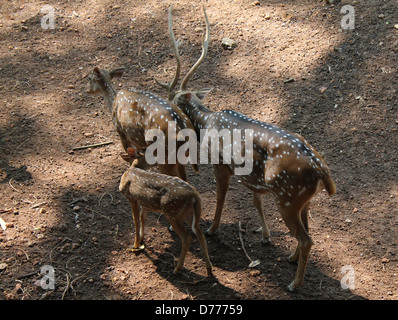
(172, 196)
(135, 112)
(285, 165)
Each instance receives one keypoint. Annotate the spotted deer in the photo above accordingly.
(172, 196)
(285, 165)
(135, 112)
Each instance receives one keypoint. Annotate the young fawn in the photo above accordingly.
(135, 112)
(172, 196)
(285, 165)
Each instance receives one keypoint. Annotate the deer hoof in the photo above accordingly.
(293, 258)
(291, 287)
(140, 248)
(210, 232)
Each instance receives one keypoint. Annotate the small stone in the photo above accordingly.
(266, 16)
(228, 44)
(103, 276)
(255, 273)
(322, 89)
(76, 208)
(18, 288)
(385, 260)
(3, 266)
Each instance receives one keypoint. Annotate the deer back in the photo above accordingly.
(155, 191)
(135, 112)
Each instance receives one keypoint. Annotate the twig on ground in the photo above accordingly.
(9, 182)
(7, 211)
(67, 286)
(38, 205)
(99, 201)
(92, 145)
(252, 263)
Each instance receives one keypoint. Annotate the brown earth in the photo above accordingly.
(294, 66)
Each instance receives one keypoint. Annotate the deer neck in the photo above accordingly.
(109, 94)
(197, 113)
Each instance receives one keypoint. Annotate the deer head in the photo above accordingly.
(99, 80)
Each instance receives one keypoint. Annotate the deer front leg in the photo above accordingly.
(258, 203)
(139, 226)
(222, 174)
(169, 169)
(181, 171)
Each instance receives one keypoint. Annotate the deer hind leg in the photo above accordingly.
(292, 217)
(223, 176)
(294, 257)
(186, 238)
(194, 221)
(258, 203)
(205, 252)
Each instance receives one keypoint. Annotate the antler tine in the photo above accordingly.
(205, 45)
(170, 85)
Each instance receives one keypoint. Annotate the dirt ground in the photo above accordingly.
(293, 66)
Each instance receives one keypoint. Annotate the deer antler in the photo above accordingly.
(205, 45)
(170, 85)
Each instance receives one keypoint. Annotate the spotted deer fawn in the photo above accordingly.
(172, 196)
(285, 165)
(135, 112)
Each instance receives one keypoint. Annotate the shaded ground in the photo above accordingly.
(62, 208)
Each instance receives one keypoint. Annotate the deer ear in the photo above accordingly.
(97, 71)
(117, 73)
(202, 93)
(186, 97)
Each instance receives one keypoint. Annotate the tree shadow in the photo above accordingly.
(22, 129)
